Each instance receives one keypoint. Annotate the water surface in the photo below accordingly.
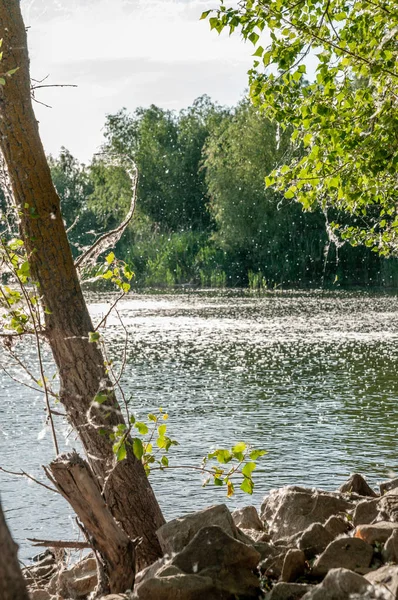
(311, 377)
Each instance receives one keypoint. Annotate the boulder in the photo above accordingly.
(388, 485)
(178, 587)
(230, 564)
(254, 536)
(338, 584)
(387, 578)
(271, 567)
(247, 518)
(292, 509)
(293, 565)
(377, 532)
(366, 512)
(76, 582)
(388, 506)
(337, 526)
(314, 540)
(347, 552)
(390, 550)
(151, 570)
(288, 591)
(38, 594)
(357, 484)
(176, 534)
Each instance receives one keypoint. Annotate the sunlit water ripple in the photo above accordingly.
(311, 377)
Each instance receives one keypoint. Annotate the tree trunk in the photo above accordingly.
(12, 584)
(128, 493)
(73, 478)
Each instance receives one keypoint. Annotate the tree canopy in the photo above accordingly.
(329, 70)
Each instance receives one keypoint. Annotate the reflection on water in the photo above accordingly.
(310, 377)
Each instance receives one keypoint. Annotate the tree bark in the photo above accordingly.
(74, 480)
(12, 584)
(128, 493)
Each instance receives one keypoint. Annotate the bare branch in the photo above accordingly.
(59, 544)
(28, 476)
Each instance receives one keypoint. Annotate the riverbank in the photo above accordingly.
(303, 543)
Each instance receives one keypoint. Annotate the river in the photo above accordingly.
(310, 377)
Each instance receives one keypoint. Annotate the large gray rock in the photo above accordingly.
(366, 512)
(247, 518)
(377, 532)
(388, 506)
(288, 591)
(292, 509)
(337, 526)
(176, 534)
(350, 553)
(178, 587)
(229, 563)
(387, 578)
(78, 581)
(388, 485)
(390, 550)
(357, 484)
(293, 565)
(338, 584)
(314, 540)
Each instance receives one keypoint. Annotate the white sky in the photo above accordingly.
(125, 53)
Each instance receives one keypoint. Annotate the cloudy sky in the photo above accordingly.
(125, 53)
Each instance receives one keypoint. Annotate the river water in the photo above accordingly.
(311, 377)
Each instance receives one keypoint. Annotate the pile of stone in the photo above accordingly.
(305, 543)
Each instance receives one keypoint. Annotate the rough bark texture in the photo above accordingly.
(74, 479)
(128, 493)
(12, 584)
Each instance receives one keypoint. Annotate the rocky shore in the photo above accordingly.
(303, 544)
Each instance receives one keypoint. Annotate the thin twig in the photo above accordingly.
(28, 476)
(103, 320)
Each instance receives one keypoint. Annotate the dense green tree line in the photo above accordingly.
(204, 215)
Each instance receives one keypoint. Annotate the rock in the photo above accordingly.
(40, 595)
(177, 587)
(377, 532)
(247, 518)
(292, 509)
(388, 506)
(338, 584)
(352, 553)
(366, 512)
(314, 540)
(176, 534)
(267, 550)
(386, 486)
(293, 565)
(77, 582)
(390, 550)
(387, 577)
(337, 526)
(272, 566)
(358, 485)
(151, 570)
(39, 574)
(254, 536)
(228, 562)
(288, 591)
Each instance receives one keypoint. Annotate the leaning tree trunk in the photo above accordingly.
(128, 493)
(12, 584)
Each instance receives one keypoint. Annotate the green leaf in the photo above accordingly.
(152, 417)
(121, 453)
(255, 454)
(248, 469)
(165, 461)
(138, 448)
(239, 447)
(162, 430)
(110, 258)
(204, 15)
(100, 398)
(142, 427)
(247, 486)
(93, 337)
